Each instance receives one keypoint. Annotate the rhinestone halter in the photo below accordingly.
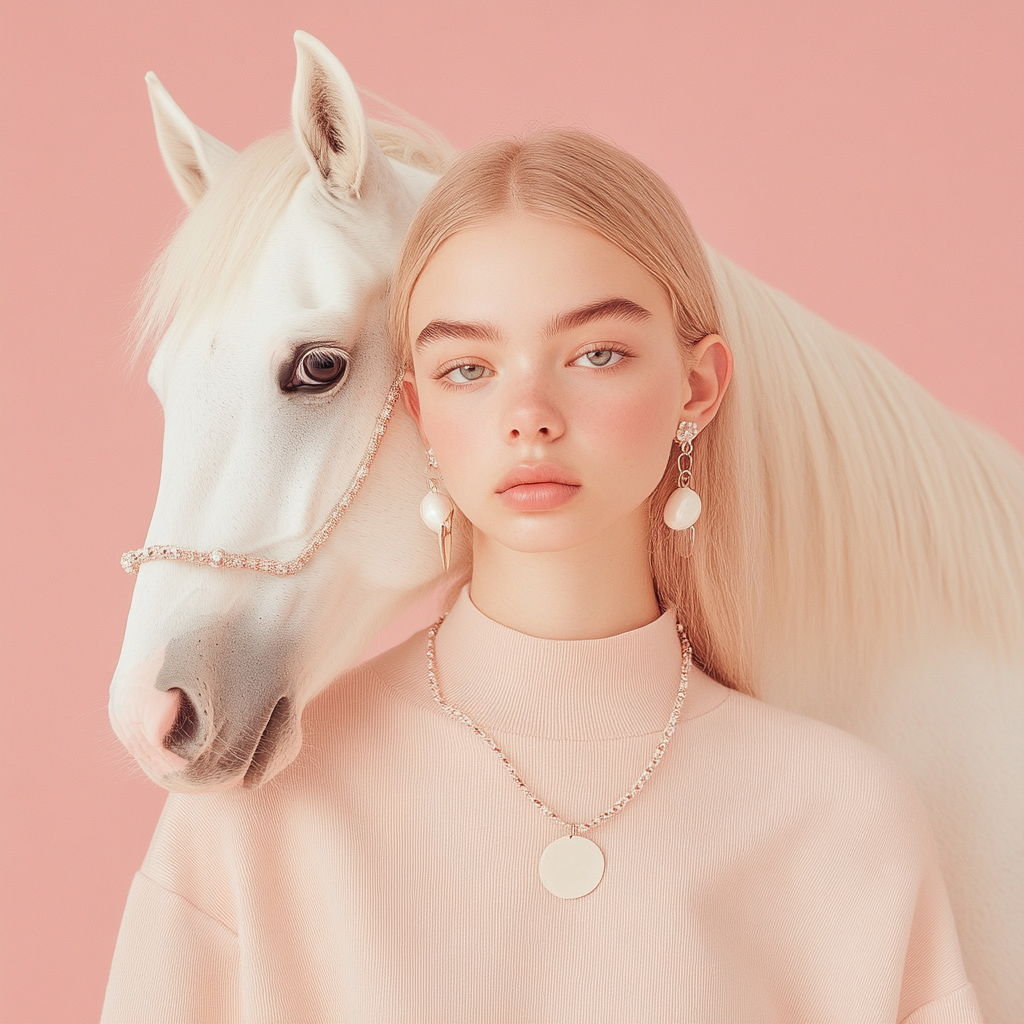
(218, 558)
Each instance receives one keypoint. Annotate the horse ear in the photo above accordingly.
(329, 119)
(194, 159)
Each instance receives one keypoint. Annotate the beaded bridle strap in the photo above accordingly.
(218, 558)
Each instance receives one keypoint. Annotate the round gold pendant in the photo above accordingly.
(571, 867)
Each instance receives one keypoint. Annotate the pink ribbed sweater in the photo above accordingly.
(773, 869)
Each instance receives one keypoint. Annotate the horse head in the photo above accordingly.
(273, 367)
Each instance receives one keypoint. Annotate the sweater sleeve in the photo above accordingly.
(957, 1007)
(935, 989)
(173, 963)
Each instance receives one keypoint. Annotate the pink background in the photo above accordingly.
(865, 157)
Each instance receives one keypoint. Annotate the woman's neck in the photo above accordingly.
(601, 588)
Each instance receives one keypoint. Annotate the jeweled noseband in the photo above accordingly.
(218, 558)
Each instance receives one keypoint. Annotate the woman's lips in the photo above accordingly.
(538, 497)
(537, 488)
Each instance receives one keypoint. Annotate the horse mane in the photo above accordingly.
(860, 519)
(217, 245)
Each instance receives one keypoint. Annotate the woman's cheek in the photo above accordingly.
(632, 427)
(459, 447)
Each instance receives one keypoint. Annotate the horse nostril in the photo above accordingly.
(187, 733)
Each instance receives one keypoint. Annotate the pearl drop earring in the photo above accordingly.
(437, 512)
(682, 509)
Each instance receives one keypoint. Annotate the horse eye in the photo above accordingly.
(317, 369)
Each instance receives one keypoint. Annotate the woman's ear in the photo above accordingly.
(710, 370)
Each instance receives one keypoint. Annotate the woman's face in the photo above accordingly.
(548, 380)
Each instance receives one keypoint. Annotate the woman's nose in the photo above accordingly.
(533, 415)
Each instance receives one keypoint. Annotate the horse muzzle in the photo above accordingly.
(213, 708)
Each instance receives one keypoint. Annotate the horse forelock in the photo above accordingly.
(219, 243)
(216, 248)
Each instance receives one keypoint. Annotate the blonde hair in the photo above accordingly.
(845, 510)
(570, 175)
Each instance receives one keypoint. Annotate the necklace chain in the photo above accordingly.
(576, 828)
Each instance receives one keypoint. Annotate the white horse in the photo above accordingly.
(273, 369)
(878, 538)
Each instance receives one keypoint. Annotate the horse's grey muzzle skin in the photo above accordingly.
(235, 714)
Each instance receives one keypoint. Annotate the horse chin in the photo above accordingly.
(277, 746)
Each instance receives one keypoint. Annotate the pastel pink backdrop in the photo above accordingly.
(864, 157)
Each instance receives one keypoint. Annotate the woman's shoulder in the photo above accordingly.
(744, 740)
(803, 767)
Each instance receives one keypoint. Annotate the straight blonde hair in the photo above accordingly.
(846, 512)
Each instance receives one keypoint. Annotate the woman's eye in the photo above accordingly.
(467, 373)
(317, 369)
(598, 357)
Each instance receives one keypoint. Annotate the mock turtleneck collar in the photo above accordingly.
(510, 682)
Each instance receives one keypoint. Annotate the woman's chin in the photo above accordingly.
(538, 533)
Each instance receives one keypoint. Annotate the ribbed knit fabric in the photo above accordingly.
(774, 869)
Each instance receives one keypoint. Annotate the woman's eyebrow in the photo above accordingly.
(456, 329)
(619, 308)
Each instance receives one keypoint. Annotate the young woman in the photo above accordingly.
(560, 804)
